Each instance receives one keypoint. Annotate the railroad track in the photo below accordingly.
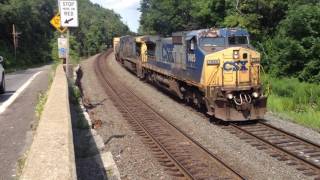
(284, 146)
(181, 156)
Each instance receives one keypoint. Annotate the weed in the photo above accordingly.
(20, 164)
(75, 98)
(42, 99)
(297, 100)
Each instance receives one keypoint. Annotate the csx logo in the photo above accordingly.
(235, 66)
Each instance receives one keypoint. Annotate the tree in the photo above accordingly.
(285, 31)
(31, 18)
(295, 50)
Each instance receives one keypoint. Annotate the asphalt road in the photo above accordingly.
(17, 118)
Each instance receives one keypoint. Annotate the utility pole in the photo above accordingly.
(15, 36)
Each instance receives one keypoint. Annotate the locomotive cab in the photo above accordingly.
(232, 76)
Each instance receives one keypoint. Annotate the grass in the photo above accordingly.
(42, 99)
(294, 100)
(43, 96)
(75, 97)
(20, 165)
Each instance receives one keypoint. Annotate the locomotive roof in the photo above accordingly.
(213, 32)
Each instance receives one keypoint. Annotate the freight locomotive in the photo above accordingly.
(214, 69)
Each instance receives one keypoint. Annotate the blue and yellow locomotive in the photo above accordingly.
(215, 69)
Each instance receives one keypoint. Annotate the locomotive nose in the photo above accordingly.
(236, 70)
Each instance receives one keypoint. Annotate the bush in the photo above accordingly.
(298, 100)
(294, 51)
(298, 92)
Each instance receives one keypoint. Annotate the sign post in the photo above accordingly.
(69, 18)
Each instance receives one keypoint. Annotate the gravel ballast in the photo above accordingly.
(133, 158)
(291, 127)
(250, 162)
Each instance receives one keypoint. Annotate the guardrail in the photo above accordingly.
(51, 155)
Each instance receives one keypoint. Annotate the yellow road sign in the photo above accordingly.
(55, 22)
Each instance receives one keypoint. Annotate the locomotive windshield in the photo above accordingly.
(212, 41)
(220, 41)
(213, 44)
(238, 40)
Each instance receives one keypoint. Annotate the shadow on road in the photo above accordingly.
(6, 96)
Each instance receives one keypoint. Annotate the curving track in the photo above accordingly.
(181, 156)
(284, 146)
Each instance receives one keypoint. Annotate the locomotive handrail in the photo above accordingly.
(268, 89)
(211, 78)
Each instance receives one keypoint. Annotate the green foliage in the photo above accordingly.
(37, 42)
(165, 17)
(294, 51)
(75, 98)
(75, 94)
(250, 21)
(42, 99)
(295, 100)
(311, 72)
(31, 20)
(97, 28)
(300, 93)
(282, 106)
(285, 31)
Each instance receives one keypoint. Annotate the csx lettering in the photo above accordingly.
(235, 66)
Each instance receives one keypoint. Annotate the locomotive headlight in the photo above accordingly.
(213, 62)
(230, 96)
(255, 94)
(236, 54)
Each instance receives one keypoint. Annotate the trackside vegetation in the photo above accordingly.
(75, 98)
(295, 100)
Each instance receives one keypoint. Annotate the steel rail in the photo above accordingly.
(286, 143)
(105, 80)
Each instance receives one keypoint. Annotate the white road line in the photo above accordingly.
(7, 103)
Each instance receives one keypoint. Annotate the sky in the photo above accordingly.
(128, 9)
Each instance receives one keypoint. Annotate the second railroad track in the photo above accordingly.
(284, 146)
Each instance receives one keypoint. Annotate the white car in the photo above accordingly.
(2, 79)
